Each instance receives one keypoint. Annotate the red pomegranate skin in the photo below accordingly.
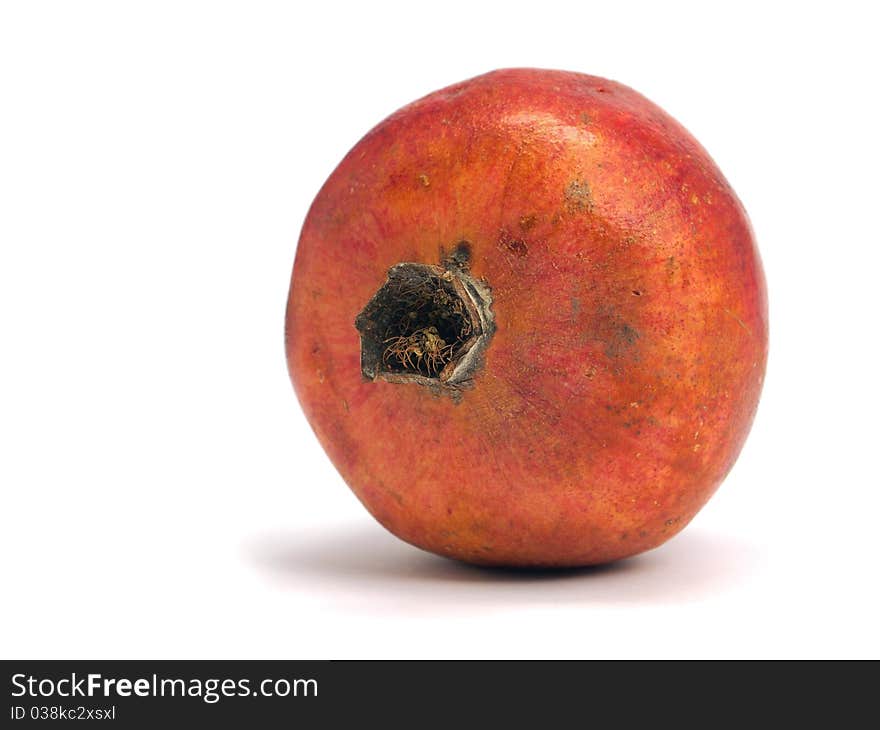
(630, 310)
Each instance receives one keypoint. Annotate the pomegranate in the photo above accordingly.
(528, 321)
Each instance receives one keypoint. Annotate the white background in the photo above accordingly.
(162, 493)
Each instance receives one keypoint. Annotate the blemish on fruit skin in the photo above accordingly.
(527, 222)
(619, 337)
(629, 334)
(624, 338)
(460, 256)
(517, 246)
(578, 197)
(424, 181)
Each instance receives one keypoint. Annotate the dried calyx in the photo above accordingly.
(426, 324)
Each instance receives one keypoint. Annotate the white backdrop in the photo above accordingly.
(162, 493)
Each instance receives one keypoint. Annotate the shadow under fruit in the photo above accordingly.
(528, 321)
